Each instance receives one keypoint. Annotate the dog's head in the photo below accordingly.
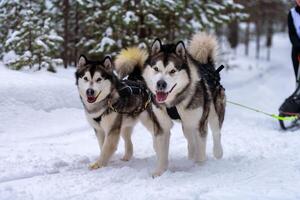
(166, 71)
(94, 79)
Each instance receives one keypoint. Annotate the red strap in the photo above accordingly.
(298, 57)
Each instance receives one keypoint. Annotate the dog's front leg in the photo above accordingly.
(126, 134)
(188, 133)
(200, 145)
(157, 121)
(100, 134)
(161, 146)
(109, 147)
(196, 144)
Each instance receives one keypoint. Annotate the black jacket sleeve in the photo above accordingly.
(292, 32)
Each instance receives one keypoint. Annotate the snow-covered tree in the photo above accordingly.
(43, 30)
(97, 38)
(33, 38)
(9, 17)
(173, 20)
(111, 25)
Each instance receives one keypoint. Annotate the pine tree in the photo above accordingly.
(99, 25)
(96, 28)
(33, 39)
(9, 17)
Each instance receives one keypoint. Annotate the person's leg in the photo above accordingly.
(295, 62)
(297, 70)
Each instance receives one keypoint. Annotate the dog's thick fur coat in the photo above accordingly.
(111, 114)
(176, 77)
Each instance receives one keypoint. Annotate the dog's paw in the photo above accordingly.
(157, 173)
(200, 159)
(200, 163)
(218, 152)
(95, 165)
(126, 158)
(191, 156)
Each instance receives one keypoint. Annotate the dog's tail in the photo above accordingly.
(203, 47)
(130, 61)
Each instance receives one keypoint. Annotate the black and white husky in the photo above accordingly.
(111, 114)
(187, 80)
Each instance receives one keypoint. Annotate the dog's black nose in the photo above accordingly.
(90, 92)
(161, 85)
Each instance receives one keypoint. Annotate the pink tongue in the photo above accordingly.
(161, 96)
(91, 99)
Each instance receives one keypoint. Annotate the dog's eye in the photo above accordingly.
(172, 71)
(155, 69)
(85, 78)
(98, 79)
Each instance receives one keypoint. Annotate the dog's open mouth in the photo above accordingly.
(161, 96)
(92, 99)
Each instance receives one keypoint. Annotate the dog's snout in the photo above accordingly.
(161, 85)
(90, 92)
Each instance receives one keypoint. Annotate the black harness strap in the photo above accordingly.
(128, 88)
(208, 72)
(98, 119)
(219, 69)
(139, 109)
(173, 113)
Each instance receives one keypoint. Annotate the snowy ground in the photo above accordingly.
(46, 143)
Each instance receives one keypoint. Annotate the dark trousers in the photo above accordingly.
(295, 60)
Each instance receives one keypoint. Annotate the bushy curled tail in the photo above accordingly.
(130, 60)
(203, 47)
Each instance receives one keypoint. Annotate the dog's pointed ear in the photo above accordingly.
(156, 46)
(82, 61)
(107, 63)
(180, 49)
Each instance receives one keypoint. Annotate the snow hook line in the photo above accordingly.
(281, 118)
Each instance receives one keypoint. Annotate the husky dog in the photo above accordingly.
(110, 113)
(186, 80)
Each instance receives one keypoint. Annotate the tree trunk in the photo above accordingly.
(40, 62)
(258, 34)
(66, 33)
(30, 41)
(269, 39)
(247, 38)
(268, 53)
(233, 34)
(76, 34)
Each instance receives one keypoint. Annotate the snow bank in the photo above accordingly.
(38, 90)
(35, 101)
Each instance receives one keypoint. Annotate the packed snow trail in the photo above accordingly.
(46, 143)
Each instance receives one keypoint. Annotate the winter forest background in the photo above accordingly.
(45, 34)
(46, 143)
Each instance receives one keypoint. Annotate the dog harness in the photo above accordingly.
(127, 89)
(98, 119)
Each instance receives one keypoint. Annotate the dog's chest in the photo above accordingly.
(104, 122)
(190, 117)
(108, 121)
